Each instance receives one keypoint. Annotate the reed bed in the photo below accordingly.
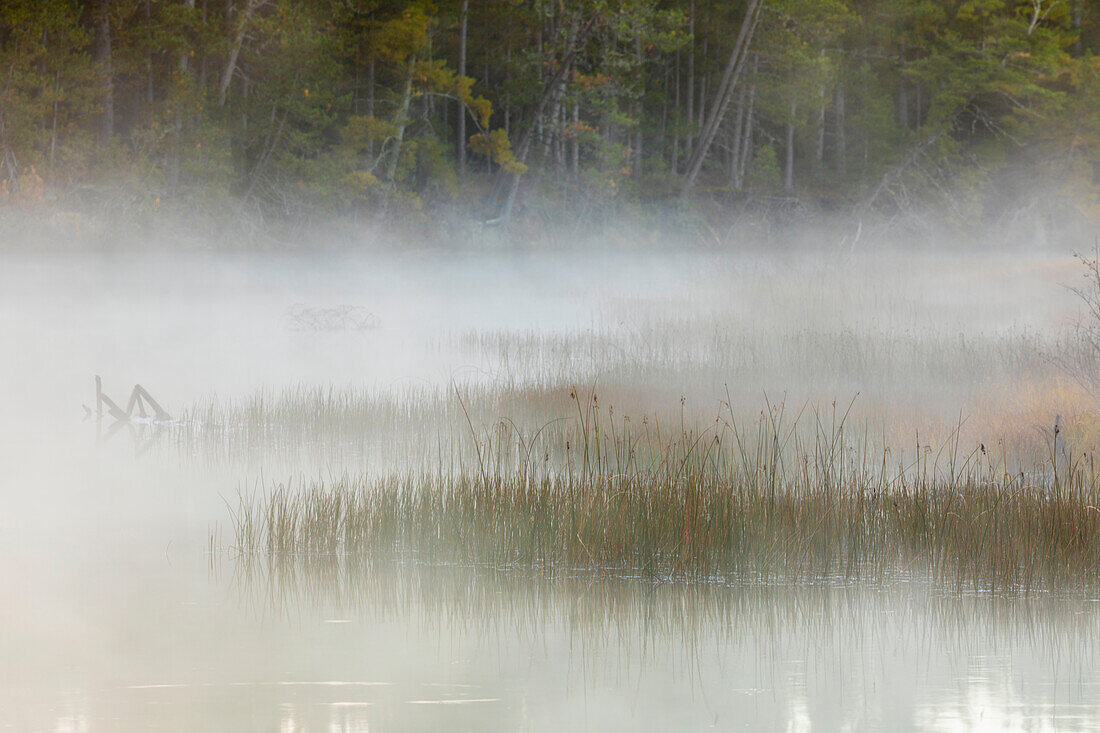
(775, 499)
(1009, 384)
(922, 341)
(900, 485)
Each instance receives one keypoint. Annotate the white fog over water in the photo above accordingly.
(121, 614)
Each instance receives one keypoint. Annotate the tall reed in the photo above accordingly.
(798, 498)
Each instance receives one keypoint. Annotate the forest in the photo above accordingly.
(463, 117)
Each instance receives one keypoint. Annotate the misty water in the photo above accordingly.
(118, 616)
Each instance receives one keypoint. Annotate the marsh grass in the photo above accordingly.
(947, 467)
(792, 497)
(1004, 383)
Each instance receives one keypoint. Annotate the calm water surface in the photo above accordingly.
(116, 618)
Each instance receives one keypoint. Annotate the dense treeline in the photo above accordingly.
(978, 111)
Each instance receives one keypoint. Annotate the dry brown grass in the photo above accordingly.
(774, 498)
(947, 465)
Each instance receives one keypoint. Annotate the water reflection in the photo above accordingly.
(827, 656)
(144, 436)
(113, 622)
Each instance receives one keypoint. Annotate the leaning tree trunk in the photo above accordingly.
(251, 6)
(730, 76)
(402, 123)
(548, 96)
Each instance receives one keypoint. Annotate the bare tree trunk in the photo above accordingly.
(576, 151)
(43, 122)
(370, 88)
(730, 76)
(548, 128)
(746, 143)
(174, 159)
(903, 92)
(465, 13)
(402, 121)
(788, 168)
(445, 112)
(663, 134)
(559, 142)
(545, 98)
(53, 129)
(919, 111)
(819, 152)
(538, 118)
(841, 141)
(508, 76)
(701, 107)
(690, 81)
(893, 174)
(251, 6)
(735, 144)
(638, 109)
(268, 149)
(370, 100)
(182, 64)
(149, 90)
(102, 56)
(202, 61)
(1078, 14)
(675, 166)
